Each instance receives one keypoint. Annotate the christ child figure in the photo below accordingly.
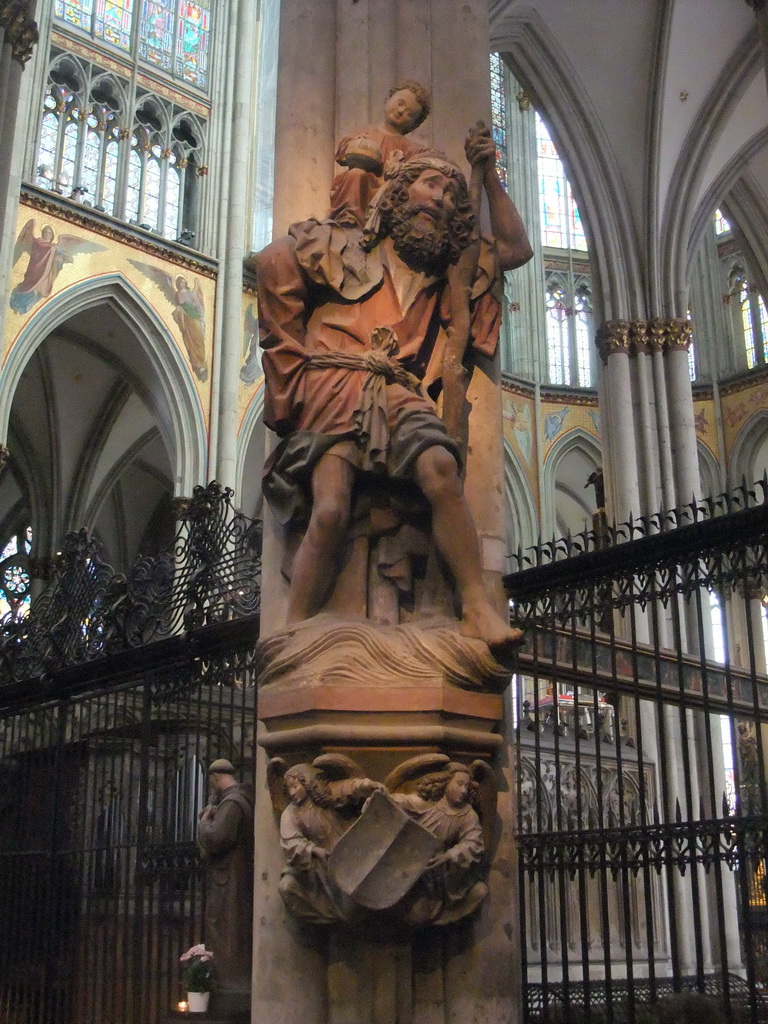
(365, 155)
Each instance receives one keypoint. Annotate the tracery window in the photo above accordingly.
(722, 226)
(141, 165)
(15, 582)
(171, 35)
(568, 297)
(750, 315)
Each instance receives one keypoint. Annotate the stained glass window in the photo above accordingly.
(156, 36)
(172, 198)
(558, 346)
(582, 313)
(113, 22)
(173, 35)
(499, 116)
(15, 583)
(750, 316)
(560, 218)
(721, 224)
(76, 12)
(192, 41)
(133, 192)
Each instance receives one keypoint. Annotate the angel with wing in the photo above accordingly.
(251, 370)
(439, 794)
(46, 258)
(188, 312)
(317, 803)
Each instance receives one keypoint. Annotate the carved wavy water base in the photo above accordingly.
(325, 649)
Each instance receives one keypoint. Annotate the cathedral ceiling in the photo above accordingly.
(668, 97)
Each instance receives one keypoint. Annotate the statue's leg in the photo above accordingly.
(314, 567)
(455, 536)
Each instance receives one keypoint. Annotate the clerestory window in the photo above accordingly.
(126, 152)
(172, 36)
(568, 317)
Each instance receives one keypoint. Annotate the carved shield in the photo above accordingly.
(382, 855)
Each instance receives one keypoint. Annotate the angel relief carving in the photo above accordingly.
(413, 850)
(46, 257)
(188, 311)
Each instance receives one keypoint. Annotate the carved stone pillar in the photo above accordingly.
(648, 414)
(18, 35)
(382, 695)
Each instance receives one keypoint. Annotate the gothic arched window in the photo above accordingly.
(143, 168)
(15, 583)
(750, 315)
(562, 241)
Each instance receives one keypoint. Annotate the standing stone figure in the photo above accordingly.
(225, 838)
(354, 326)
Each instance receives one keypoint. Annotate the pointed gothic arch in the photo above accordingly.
(250, 454)
(580, 443)
(748, 458)
(522, 515)
(537, 60)
(685, 216)
(176, 405)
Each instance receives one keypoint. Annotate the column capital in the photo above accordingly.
(678, 334)
(20, 29)
(612, 336)
(658, 334)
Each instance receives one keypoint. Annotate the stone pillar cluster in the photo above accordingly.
(646, 371)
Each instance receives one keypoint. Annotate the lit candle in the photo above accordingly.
(182, 1006)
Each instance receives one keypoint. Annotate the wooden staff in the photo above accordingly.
(461, 277)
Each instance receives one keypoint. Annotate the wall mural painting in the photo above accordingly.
(250, 371)
(518, 427)
(554, 423)
(46, 257)
(188, 311)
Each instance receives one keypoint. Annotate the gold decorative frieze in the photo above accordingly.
(19, 28)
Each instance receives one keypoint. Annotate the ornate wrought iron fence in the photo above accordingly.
(211, 574)
(641, 707)
(115, 695)
(641, 783)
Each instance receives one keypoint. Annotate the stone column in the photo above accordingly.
(18, 36)
(470, 970)
(237, 208)
(617, 406)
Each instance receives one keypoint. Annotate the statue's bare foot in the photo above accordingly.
(482, 622)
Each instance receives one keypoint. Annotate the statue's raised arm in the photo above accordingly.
(507, 227)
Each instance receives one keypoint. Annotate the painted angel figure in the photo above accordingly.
(46, 258)
(189, 312)
(251, 370)
(317, 803)
(441, 796)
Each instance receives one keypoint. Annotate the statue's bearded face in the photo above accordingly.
(419, 225)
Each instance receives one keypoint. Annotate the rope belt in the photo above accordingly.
(373, 361)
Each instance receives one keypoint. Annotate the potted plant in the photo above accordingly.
(197, 976)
